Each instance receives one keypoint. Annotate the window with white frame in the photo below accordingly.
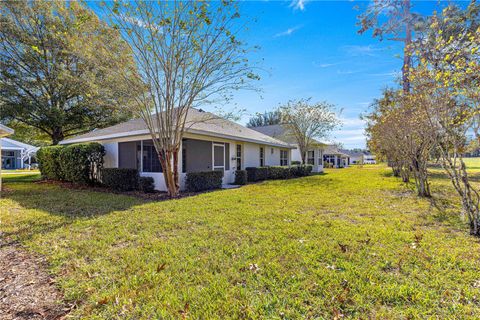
(239, 157)
(283, 157)
(262, 156)
(311, 157)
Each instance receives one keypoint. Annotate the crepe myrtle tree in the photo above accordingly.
(446, 84)
(307, 121)
(187, 54)
(58, 63)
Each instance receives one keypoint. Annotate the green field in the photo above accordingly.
(354, 242)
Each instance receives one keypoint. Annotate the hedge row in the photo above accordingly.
(79, 163)
(277, 172)
(201, 181)
(123, 179)
(49, 163)
(120, 179)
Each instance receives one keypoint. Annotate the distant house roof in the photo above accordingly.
(280, 132)
(10, 144)
(352, 153)
(5, 131)
(26, 150)
(198, 122)
(333, 150)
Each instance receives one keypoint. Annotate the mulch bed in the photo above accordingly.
(27, 291)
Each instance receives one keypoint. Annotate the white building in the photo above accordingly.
(209, 143)
(16, 154)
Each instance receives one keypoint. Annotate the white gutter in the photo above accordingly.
(201, 132)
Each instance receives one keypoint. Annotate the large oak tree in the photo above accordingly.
(58, 63)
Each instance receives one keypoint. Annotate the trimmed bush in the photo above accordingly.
(278, 172)
(201, 181)
(301, 171)
(296, 163)
(327, 164)
(120, 179)
(241, 177)
(82, 162)
(257, 174)
(146, 184)
(48, 162)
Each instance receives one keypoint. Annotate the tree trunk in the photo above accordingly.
(57, 136)
(405, 174)
(304, 156)
(170, 173)
(421, 178)
(407, 49)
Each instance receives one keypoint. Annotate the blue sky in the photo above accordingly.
(312, 49)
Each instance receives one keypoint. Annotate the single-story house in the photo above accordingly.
(335, 157)
(355, 157)
(360, 157)
(4, 131)
(314, 156)
(16, 154)
(209, 143)
(369, 158)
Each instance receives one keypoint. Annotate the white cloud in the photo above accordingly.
(386, 74)
(298, 4)
(352, 122)
(347, 71)
(356, 50)
(288, 32)
(325, 65)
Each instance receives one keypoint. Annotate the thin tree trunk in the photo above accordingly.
(407, 50)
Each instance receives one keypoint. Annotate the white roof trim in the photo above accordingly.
(145, 131)
(5, 131)
(21, 145)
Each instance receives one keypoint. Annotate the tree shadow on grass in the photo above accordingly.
(64, 205)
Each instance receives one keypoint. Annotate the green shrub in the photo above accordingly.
(207, 180)
(146, 184)
(82, 162)
(48, 162)
(121, 179)
(327, 164)
(301, 171)
(257, 174)
(278, 172)
(296, 163)
(241, 177)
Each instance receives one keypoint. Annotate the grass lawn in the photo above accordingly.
(354, 242)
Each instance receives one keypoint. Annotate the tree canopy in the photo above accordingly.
(58, 63)
(267, 118)
(188, 54)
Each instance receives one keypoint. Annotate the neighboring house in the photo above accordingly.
(355, 157)
(209, 143)
(335, 157)
(4, 131)
(360, 157)
(17, 155)
(369, 158)
(314, 156)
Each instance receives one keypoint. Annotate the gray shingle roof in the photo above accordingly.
(198, 122)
